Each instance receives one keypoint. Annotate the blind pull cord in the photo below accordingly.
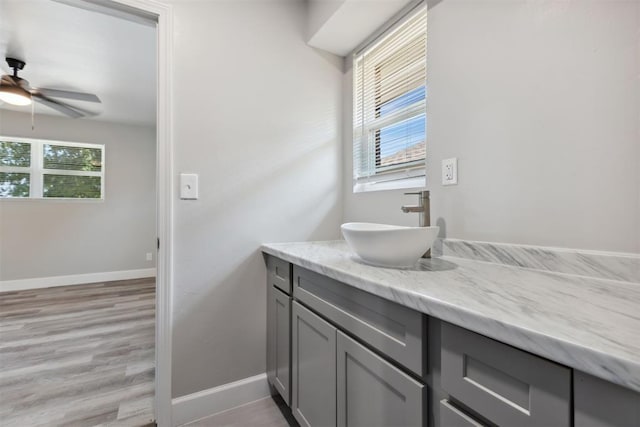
(33, 116)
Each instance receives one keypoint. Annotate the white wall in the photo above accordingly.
(44, 238)
(540, 102)
(257, 115)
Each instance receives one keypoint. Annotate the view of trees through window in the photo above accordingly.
(14, 184)
(14, 155)
(72, 158)
(39, 169)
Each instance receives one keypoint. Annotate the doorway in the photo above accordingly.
(161, 16)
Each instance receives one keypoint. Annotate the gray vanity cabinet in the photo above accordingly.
(373, 393)
(340, 356)
(313, 400)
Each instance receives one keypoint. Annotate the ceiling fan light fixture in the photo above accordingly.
(14, 95)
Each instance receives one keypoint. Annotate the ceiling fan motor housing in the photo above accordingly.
(16, 64)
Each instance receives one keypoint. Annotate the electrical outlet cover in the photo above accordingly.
(450, 171)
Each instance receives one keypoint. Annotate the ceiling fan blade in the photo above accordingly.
(56, 93)
(64, 109)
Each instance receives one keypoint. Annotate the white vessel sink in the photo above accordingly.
(388, 245)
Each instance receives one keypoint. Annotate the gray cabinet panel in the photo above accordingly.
(271, 365)
(279, 273)
(436, 394)
(599, 403)
(314, 369)
(391, 328)
(505, 385)
(371, 392)
(450, 416)
(279, 342)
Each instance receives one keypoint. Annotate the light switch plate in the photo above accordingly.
(188, 186)
(450, 171)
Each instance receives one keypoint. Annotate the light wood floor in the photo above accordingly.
(261, 413)
(78, 355)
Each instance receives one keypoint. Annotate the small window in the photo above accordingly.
(40, 169)
(389, 120)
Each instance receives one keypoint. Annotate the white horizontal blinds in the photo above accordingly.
(389, 103)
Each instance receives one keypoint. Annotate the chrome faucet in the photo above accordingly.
(423, 207)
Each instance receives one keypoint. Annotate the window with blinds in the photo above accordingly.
(389, 117)
(50, 169)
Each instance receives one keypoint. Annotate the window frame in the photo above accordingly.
(407, 175)
(37, 171)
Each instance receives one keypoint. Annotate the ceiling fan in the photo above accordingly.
(17, 91)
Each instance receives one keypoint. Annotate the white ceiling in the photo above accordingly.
(71, 48)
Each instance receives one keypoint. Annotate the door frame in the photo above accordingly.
(163, 13)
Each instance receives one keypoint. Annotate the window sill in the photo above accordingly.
(50, 200)
(415, 182)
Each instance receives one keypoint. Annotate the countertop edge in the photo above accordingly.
(606, 366)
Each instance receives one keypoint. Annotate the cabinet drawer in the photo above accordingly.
(505, 385)
(279, 273)
(450, 416)
(396, 331)
(373, 393)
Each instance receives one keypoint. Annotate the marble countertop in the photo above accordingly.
(586, 323)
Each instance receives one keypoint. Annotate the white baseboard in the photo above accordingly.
(204, 403)
(75, 279)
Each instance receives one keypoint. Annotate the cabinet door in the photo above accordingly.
(279, 342)
(371, 392)
(314, 369)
